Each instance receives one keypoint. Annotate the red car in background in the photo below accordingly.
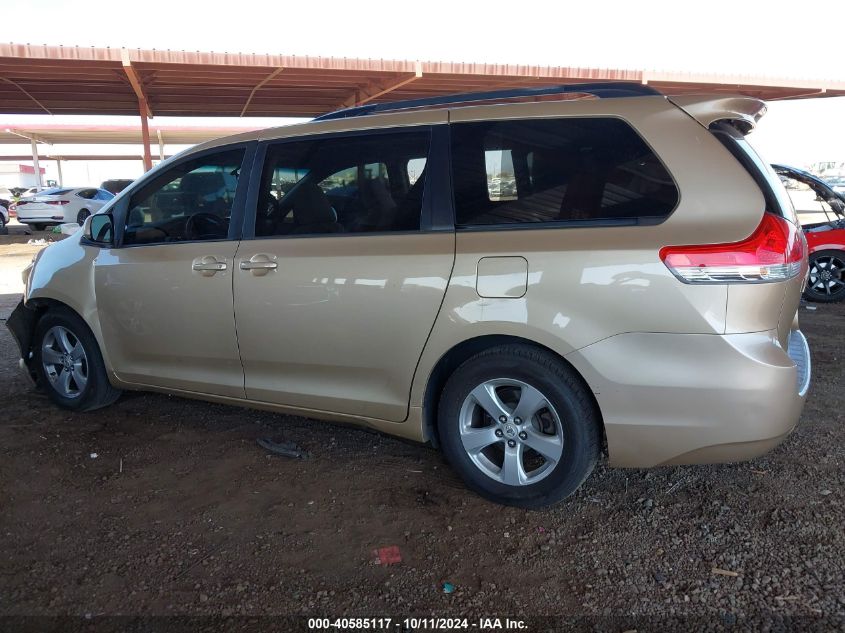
(822, 214)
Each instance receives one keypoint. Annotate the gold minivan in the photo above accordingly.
(523, 279)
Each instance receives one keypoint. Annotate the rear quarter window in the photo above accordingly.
(557, 171)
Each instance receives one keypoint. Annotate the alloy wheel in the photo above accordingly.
(65, 362)
(511, 431)
(827, 275)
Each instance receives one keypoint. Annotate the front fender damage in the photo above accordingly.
(21, 324)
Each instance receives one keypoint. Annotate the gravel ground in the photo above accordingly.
(162, 506)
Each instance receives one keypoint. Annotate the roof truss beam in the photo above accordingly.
(377, 88)
(28, 136)
(258, 87)
(24, 91)
(135, 82)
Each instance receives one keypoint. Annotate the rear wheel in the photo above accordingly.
(68, 362)
(519, 426)
(80, 217)
(826, 281)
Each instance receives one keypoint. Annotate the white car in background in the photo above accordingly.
(33, 191)
(61, 205)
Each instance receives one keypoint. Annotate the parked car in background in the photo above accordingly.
(825, 232)
(61, 205)
(6, 197)
(116, 185)
(32, 191)
(612, 300)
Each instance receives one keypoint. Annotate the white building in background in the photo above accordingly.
(14, 174)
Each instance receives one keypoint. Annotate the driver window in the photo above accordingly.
(189, 202)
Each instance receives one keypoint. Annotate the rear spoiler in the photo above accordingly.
(740, 112)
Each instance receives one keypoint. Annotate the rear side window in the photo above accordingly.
(556, 170)
(366, 183)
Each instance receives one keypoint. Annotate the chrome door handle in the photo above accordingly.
(260, 264)
(208, 265)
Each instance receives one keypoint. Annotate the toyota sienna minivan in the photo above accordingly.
(523, 279)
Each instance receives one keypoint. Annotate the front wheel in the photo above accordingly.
(519, 426)
(826, 281)
(68, 362)
(81, 216)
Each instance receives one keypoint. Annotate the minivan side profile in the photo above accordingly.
(524, 285)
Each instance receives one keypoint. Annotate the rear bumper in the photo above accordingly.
(40, 220)
(28, 215)
(691, 399)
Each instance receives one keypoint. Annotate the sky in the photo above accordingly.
(770, 39)
(727, 37)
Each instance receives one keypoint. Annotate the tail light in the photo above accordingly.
(56, 202)
(774, 252)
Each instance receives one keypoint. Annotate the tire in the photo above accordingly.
(2, 221)
(511, 373)
(80, 217)
(58, 331)
(39, 226)
(826, 281)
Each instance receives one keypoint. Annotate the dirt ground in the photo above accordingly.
(161, 506)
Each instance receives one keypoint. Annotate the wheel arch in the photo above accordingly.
(37, 307)
(462, 352)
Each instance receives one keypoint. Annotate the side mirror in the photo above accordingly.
(100, 228)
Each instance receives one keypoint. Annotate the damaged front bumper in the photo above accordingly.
(21, 324)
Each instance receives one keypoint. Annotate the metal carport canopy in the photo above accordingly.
(86, 80)
(61, 134)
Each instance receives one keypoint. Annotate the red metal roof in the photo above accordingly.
(84, 80)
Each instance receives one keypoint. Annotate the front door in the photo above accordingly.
(164, 294)
(338, 291)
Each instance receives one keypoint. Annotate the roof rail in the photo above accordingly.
(605, 90)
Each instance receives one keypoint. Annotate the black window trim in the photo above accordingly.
(729, 136)
(437, 214)
(568, 224)
(120, 208)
